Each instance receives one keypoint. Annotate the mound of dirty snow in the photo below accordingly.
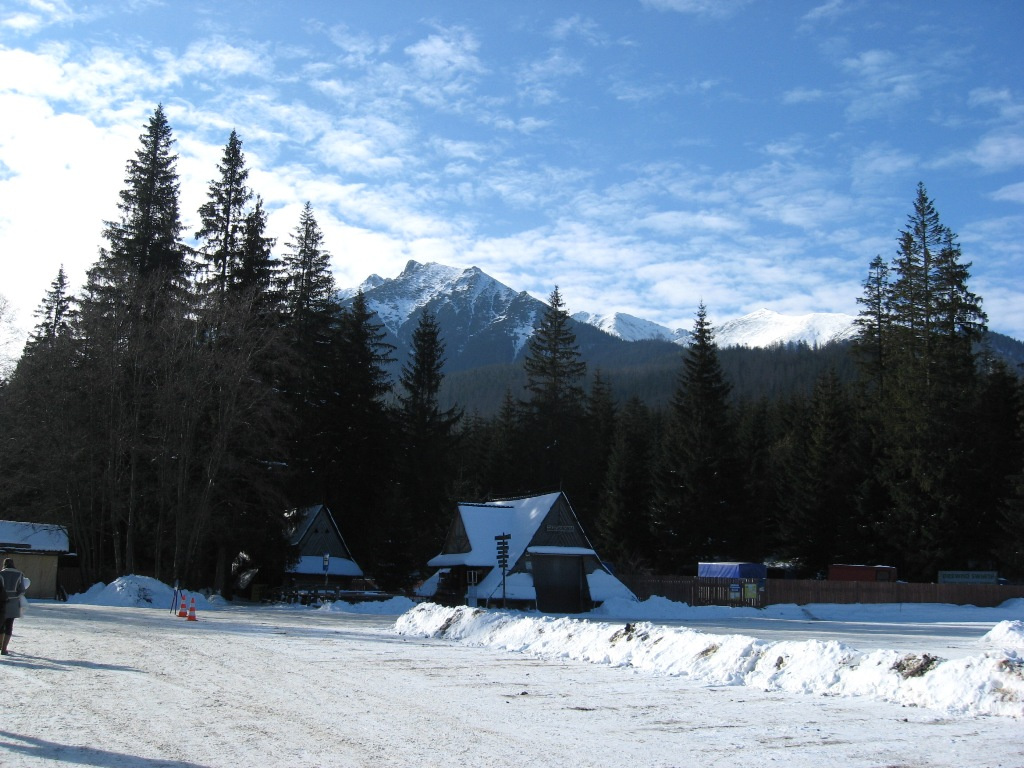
(988, 684)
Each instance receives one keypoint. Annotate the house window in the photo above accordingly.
(472, 577)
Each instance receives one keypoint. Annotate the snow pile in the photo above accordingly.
(135, 592)
(1007, 634)
(389, 607)
(146, 592)
(662, 609)
(991, 683)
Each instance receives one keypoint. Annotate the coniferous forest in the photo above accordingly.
(203, 383)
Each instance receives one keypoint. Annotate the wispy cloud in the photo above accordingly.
(882, 81)
(582, 27)
(542, 80)
(712, 8)
(1013, 193)
(802, 95)
(828, 11)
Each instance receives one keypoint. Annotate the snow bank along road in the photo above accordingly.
(250, 686)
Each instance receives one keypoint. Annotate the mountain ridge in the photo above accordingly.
(473, 310)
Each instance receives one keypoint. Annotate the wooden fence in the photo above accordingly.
(758, 593)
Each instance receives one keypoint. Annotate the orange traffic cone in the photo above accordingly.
(182, 612)
(192, 611)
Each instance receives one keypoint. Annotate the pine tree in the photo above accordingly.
(55, 314)
(926, 448)
(147, 238)
(135, 293)
(624, 525)
(596, 435)
(424, 475)
(309, 302)
(873, 325)
(554, 374)
(258, 272)
(359, 427)
(818, 508)
(699, 481)
(223, 216)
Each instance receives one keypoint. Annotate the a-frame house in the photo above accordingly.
(552, 565)
(316, 537)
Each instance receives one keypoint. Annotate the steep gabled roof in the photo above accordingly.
(543, 526)
(471, 539)
(314, 543)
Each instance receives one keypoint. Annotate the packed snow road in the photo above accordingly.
(250, 686)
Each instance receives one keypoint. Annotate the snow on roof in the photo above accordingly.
(337, 566)
(578, 551)
(40, 537)
(484, 521)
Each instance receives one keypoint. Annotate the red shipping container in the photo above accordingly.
(861, 573)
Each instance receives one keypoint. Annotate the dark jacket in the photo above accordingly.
(15, 584)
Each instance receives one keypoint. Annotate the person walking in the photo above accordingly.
(15, 584)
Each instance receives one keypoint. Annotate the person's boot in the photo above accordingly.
(4, 639)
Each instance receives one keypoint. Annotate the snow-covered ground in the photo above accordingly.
(116, 678)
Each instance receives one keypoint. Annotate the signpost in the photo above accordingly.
(501, 542)
(327, 564)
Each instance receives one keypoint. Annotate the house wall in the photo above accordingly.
(41, 569)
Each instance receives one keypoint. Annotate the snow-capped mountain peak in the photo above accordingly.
(484, 321)
(625, 327)
(765, 327)
(762, 328)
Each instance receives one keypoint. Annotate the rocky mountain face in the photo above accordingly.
(484, 322)
(485, 326)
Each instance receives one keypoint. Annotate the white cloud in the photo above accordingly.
(541, 80)
(998, 152)
(686, 222)
(884, 82)
(585, 28)
(1006, 104)
(1013, 193)
(878, 163)
(828, 11)
(713, 8)
(446, 55)
(216, 56)
(802, 95)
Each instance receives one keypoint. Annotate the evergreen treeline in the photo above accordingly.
(193, 392)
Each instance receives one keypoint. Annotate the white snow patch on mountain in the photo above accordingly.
(626, 327)
(765, 328)
(476, 294)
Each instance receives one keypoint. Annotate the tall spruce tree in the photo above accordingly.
(137, 291)
(817, 518)
(426, 444)
(624, 525)
(927, 448)
(310, 326)
(223, 217)
(697, 506)
(258, 271)
(555, 402)
(361, 430)
(873, 325)
(146, 240)
(54, 315)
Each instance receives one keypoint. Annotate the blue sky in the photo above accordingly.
(642, 155)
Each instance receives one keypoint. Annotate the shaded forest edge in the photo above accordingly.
(201, 385)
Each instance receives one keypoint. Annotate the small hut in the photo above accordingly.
(323, 555)
(551, 566)
(35, 549)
